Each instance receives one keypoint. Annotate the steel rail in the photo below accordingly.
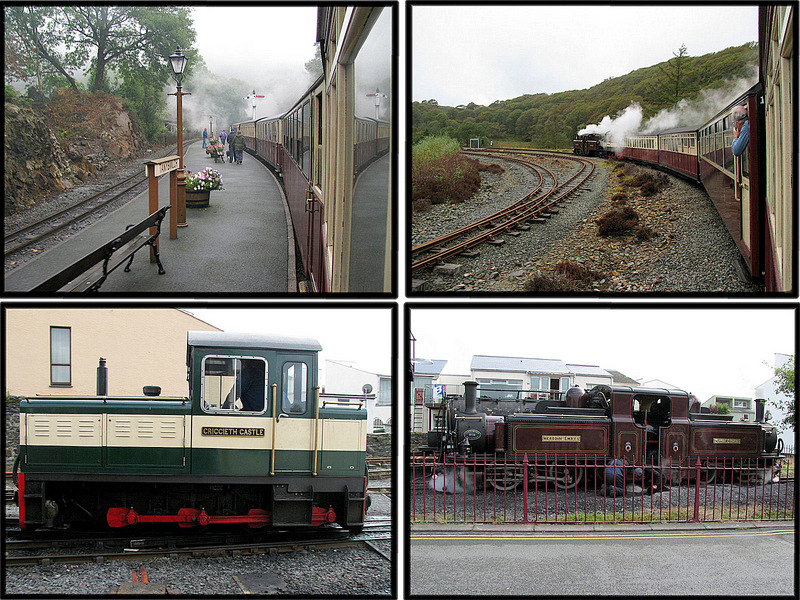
(523, 210)
(51, 230)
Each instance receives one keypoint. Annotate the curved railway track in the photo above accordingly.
(50, 225)
(532, 208)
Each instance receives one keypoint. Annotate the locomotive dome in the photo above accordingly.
(227, 339)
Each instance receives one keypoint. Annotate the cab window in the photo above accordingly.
(294, 388)
(234, 384)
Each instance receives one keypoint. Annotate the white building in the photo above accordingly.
(343, 378)
(767, 390)
(742, 409)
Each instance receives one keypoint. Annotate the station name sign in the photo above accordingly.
(234, 431)
(162, 166)
(561, 438)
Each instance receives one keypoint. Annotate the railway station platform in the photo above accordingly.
(242, 243)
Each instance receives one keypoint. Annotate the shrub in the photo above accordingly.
(645, 233)
(550, 283)
(577, 272)
(619, 198)
(439, 174)
(617, 222)
(421, 205)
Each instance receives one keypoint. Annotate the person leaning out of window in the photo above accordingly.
(741, 130)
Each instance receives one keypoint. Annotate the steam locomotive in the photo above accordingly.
(660, 428)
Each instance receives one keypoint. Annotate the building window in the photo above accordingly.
(741, 404)
(60, 356)
(385, 392)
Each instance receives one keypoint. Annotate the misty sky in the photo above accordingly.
(266, 47)
(480, 54)
(704, 351)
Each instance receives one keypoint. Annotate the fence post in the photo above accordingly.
(697, 492)
(525, 488)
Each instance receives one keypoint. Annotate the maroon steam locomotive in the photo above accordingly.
(665, 429)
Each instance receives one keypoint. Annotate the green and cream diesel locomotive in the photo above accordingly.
(254, 443)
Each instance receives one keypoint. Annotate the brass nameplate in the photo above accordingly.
(240, 431)
(727, 441)
(561, 438)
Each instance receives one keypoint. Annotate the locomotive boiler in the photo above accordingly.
(573, 433)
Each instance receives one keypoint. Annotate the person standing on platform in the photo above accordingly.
(222, 136)
(239, 146)
(205, 138)
(231, 137)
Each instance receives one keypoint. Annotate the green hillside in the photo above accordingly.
(552, 120)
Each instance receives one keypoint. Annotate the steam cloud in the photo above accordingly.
(686, 113)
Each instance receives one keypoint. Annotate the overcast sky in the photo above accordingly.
(463, 54)
(264, 46)
(361, 336)
(704, 351)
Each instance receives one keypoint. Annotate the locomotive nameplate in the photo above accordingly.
(727, 441)
(237, 431)
(561, 438)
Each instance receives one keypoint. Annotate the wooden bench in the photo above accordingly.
(89, 273)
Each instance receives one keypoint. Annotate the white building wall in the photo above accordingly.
(343, 378)
(587, 382)
(768, 391)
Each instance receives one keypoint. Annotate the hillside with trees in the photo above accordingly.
(552, 120)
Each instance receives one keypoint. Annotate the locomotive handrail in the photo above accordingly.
(340, 403)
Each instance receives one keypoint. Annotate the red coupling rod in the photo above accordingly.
(190, 517)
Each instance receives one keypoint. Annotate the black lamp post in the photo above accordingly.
(178, 63)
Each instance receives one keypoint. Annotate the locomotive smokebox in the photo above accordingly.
(470, 397)
(102, 378)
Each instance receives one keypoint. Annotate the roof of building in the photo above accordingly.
(621, 378)
(514, 363)
(424, 366)
(589, 370)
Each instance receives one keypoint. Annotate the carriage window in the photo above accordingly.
(373, 98)
(295, 388)
(234, 384)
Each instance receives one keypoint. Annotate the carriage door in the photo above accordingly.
(741, 165)
(293, 417)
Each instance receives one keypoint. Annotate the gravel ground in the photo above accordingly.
(115, 172)
(691, 252)
(330, 572)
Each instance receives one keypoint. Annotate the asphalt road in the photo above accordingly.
(718, 562)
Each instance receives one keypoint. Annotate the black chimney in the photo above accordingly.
(102, 378)
(470, 397)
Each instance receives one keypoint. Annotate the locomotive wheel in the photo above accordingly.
(505, 480)
(565, 478)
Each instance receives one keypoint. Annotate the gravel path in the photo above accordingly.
(690, 252)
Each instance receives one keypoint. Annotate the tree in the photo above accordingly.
(314, 66)
(39, 31)
(784, 385)
(674, 70)
(141, 36)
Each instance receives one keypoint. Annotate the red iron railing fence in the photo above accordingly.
(557, 488)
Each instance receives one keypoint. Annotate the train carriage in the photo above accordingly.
(777, 68)
(253, 443)
(641, 147)
(677, 151)
(734, 182)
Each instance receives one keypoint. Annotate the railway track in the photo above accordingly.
(532, 208)
(18, 552)
(70, 217)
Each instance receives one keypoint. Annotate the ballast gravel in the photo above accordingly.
(691, 251)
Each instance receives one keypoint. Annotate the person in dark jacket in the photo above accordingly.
(231, 137)
(741, 130)
(239, 146)
(205, 138)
